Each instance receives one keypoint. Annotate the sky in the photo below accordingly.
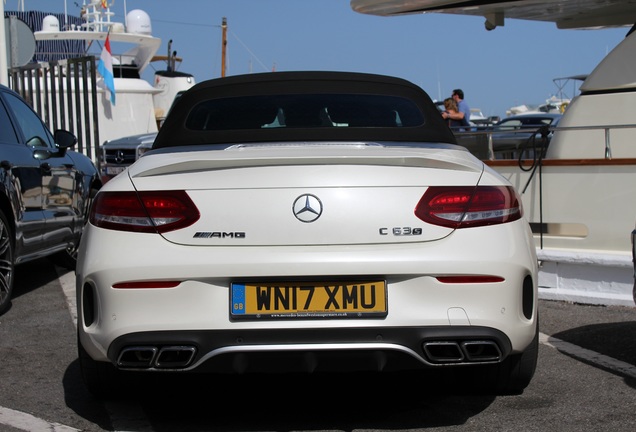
(509, 66)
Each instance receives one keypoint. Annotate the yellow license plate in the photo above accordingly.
(366, 299)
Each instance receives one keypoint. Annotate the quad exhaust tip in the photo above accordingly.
(447, 352)
(147, 357)
(436, 352)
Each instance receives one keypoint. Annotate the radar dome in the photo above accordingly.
(138, 22)
(50, 24)
(118, 28)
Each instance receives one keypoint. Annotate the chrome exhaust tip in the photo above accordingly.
(443, 352)
(140, 357)
(481, 351)
(148, 357)
(472, 351)
(175, 357)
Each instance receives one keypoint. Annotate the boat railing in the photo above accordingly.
(97, 17)
(482, 142)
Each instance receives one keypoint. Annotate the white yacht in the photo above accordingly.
(66, 51)
(580, 198)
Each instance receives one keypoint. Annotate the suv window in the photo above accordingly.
(7, 133)
(33, 130)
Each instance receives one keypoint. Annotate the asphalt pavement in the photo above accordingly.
(585, 380)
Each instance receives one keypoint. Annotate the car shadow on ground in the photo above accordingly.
(353, 401)
(32, 275)
(614, 340)
(78, 399)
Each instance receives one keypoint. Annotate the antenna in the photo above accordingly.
(439, 85)
(224, 46)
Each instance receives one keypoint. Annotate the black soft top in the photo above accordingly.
(303, 106)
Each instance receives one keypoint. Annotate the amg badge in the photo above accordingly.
(219, 234)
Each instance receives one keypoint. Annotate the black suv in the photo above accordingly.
(45, 191)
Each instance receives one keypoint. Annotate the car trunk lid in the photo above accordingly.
(310, 194)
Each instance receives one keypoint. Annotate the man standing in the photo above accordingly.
(463, 110)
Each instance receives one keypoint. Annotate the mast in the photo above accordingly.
(224, 46)
(4, 71)
(170, 58)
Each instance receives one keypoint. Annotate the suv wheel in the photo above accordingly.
(6, 263)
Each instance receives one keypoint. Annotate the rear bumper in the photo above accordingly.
(310, 350)
(196, 313)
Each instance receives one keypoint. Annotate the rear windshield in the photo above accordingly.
(304, 111)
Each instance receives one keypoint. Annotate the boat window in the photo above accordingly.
(525, 123)
(509, 125)
(304, 111)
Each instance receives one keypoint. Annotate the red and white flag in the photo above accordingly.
(105, 69)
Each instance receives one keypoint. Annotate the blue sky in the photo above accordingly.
(508, 66)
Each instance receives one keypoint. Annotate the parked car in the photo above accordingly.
(307, 222)
(118, 154)
(523, 132)
(45, 191)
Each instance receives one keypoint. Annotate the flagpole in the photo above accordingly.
(224, 45)
(4, 73)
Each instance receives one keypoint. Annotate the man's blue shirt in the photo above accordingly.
(462, 106)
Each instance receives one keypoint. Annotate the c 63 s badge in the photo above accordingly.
(401, 231)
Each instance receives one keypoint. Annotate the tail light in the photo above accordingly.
(469, 206)
(148, 212)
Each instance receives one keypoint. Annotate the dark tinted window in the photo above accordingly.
(526, 122)
(7, 134)
(29, 123)
(304, 111)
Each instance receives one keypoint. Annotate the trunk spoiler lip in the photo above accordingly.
(215, 157)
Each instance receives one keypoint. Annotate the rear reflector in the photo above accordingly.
(147, 284)
(465, 279)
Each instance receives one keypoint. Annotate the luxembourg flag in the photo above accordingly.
(105, 69)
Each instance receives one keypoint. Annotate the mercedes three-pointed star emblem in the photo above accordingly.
(307, 208)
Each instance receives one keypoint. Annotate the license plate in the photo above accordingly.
(365, 299)
(114, 170)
